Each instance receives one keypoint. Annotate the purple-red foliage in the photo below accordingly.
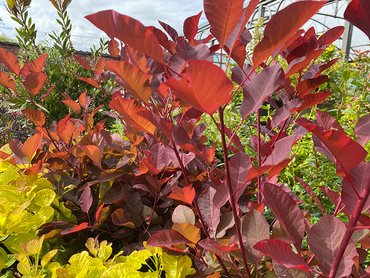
(127, 190)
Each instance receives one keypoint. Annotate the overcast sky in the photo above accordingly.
(173, 12)
(85, 34)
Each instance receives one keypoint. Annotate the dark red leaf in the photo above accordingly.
(80, 227)
(240, 164)
(260, 88)
(7, 81)
(301, 63)
(223, 17)
(167, 238)
(348, 153)
(330, 36)
(34, 82)
(282, 149)
(254, 229)
(311, 100)
(210, 214)
(283, 25)
(362, 130)
(213, 246)
(312, 194)
(128, 30)
(357, 13)
(324, 239)
(282, 253)
(191, 26)
(170, 31)
(9, 60)
(86, 200)
(286, 211)
(204, 86)
(359, 180)
(36, 116)
(307, 86)
(316, 69)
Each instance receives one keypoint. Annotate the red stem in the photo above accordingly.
(259, 180)
(231, 191)
(349, 231)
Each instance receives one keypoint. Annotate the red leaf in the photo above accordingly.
(204, 86)
(99, 212)
(210, 214)
(90, 81)
(84, 100)
(31, 145)
(357, 13)
(184, 194)
(86, 200)
(167, 238)
(286, 211)
(307, 86)
(93, 152)
(136, 80)
(7, 81)
(330, 36)
(311, 100)
(73, 105)
(34, 82)
(38, 64)
(315, 70)
(324, 239)
(362, 129)
(129, 111)
(171, 31)
(213, 246)
(80, 227)
(113, 48)
(128, 30)
(240, 164)
(260, 87)
(359, 180)
(297, 65)
(9, 60)
(191, 26)
(223, 17)
(283, 25)
(83, 62)
(282, 149)
(348, 153)
(312, 194)
(254, 229)
(282, 253)
(36, 116)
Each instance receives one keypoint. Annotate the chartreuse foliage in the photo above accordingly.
(99, 261)
(162, 183)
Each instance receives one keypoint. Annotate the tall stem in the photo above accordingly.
(231, 191)
(259, 180)
(349, 231)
